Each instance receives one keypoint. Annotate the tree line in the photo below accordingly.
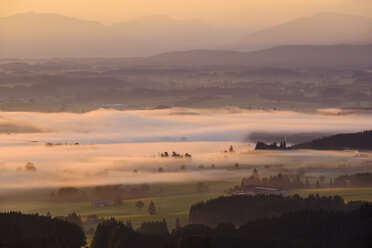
(239, 209)
(275, 221)
(359, 140)
(305, 228)
(280, 181)
(355, 180)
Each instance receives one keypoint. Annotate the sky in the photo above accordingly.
(218, 12)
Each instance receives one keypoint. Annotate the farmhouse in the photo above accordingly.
(255, 190)
(101, 203)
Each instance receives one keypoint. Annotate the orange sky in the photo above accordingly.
(218, 12)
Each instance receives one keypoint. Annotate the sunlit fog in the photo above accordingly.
(106, 146)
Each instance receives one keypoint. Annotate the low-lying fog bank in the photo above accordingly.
(107, 146)
(84, 165)
(176, 124)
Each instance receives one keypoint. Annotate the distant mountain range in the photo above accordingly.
(320, 29)
(53, 35)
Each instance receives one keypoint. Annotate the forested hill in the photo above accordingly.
(240, 209)
(360, 140)
(305, 228)
(34, 231)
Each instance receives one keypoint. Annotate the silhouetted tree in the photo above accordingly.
(187, 155)
(30, 167)
(178, 225)
(151, 208)
(129, 224)
(231, 149)
(317, 185)
(154, 228)
(139, 204)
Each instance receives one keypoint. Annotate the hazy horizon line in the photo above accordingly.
(180, 19)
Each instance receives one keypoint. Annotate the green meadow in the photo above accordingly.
(173, 203)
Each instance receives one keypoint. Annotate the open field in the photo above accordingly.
(171, 206)
(174, 204)
(154, 102)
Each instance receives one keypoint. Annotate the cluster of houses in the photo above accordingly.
(258, 190)
(254, 186)
(101, 203)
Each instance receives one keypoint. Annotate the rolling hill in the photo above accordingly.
(302, 55)
(321, 29)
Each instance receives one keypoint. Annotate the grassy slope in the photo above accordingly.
(174, 204)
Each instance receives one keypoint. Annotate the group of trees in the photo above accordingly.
(231, 149)
(151, 208)
(29, 167)
(114, 194)
(280, 181)
(175, 155)
(34, 231)
(239, 209)
(154, 228)
(360, 140)
(73, 218)
(66, 194)
(114, 234)
(274, 146)
(356, 180)
(306, 228)
(293, 181)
